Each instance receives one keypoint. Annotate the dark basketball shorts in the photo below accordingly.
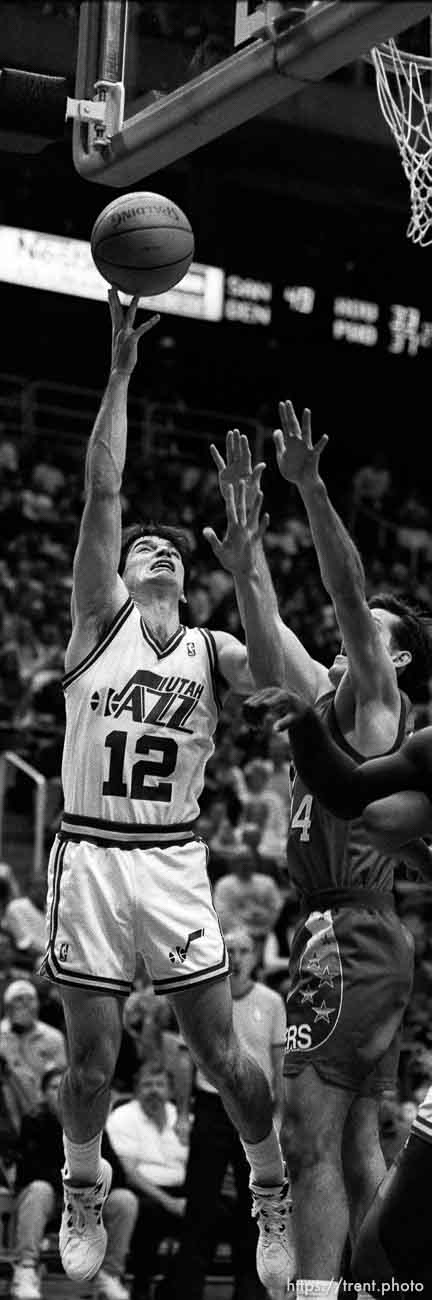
(351, 971)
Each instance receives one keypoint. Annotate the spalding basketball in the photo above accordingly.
(142, 243)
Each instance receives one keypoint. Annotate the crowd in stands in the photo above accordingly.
(244, 817)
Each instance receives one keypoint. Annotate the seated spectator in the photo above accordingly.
(143, 1134)
(217, 830)
(40, 1198)
(28, 1045)
(247, 897)
(147, 1038)
(268, 803)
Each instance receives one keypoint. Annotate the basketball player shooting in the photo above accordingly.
(127, 872)
(351, 965)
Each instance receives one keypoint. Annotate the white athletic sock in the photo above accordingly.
(83, 1160)
(317, 1290)
(266, 1160)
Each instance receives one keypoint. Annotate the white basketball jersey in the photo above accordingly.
(140, 718)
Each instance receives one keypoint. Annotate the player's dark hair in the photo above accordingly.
(413, 633)
(176, 536)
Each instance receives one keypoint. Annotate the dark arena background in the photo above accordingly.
(304, 286)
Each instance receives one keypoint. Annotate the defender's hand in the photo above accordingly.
(237, 550)
(237, 467)
(125, 338)
(273, 704)
(297, 459)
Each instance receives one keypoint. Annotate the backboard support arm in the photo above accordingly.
(247, 83)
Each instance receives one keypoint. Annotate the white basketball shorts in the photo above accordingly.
(105, 905)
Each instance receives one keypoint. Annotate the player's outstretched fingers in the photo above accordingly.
(273, 704)
(115, 307)
(289, 421)
(217, 458)
(257, 709)
(131, 309)
(213, 540)
(148, 325)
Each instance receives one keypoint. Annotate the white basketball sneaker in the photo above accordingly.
(275, 1259)
(82, 1237)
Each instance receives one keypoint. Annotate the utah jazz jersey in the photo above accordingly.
(325, 852)
(140, 718)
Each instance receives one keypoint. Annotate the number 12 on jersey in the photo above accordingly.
(302, 819)
(116, 785)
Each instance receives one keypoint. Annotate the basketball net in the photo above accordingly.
(404, 85)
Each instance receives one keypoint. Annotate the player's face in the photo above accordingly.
(155, 562)
(385, 622)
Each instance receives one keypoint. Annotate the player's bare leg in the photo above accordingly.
(363, 1159)
(311, 1136)
(204, 1014)
(94, 1027)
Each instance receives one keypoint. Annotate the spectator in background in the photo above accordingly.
(268, 803)
(147, 1038)
(224, 840)
(39, 1189)
(247, 897)
(24, 920)
(28, 1045)
(143, 1134)
(260, 1022)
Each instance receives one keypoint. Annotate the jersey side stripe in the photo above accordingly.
(212, 658)
(90, 659)
(222, 683)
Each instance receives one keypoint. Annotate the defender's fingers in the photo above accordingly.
(213, 540)
(307, 426)
(279, 442)
(217, 458)
(289, 421)
(230, 505)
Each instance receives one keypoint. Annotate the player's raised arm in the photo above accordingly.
(373, 677)
(275, 655)
(98, 591)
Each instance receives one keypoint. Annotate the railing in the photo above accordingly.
(50, 412)
(7, 760)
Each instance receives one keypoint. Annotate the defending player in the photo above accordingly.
(127, 871)
(351, 963)
(348, 789)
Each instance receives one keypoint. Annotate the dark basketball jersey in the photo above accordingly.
(325, 852)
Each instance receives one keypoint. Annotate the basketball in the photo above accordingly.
(142, 243)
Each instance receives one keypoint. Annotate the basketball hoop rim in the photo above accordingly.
(421, 61)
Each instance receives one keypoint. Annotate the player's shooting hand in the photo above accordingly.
(125, 338)
(237, 467)
(298, 460)
(274, 704)
(237, 550)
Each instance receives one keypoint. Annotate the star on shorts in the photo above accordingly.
(308, 995)
(326, 978)
(323, 1013)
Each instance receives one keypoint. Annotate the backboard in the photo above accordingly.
(155, 81)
